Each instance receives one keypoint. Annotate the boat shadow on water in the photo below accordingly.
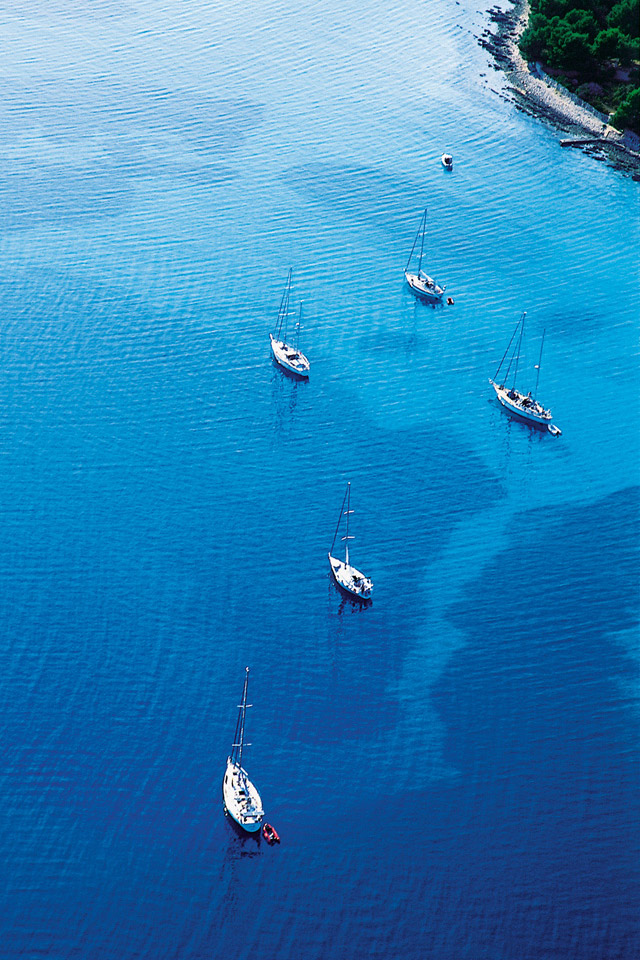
(285, 387)
(249, 842)
(421, 303)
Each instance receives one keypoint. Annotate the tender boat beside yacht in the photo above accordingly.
(420, 283)
(241, 799)
(348, 578)
(287, 354)
(270, 834)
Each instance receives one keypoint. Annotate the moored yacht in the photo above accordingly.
(447, 161)
(420, 283)
(241, 799)
(287, 354)
(523, 405)
(347, 576)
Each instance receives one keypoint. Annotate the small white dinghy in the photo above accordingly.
(288, 355)
(349, 579)
(240, 797)
(447, 161)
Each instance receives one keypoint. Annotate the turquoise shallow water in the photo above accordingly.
(453, 770)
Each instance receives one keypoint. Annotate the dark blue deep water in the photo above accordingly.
(453, 770)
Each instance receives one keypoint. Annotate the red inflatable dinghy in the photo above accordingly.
(270, 834)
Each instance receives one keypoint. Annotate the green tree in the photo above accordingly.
(583, 21)
(566, 48)
(550, 8)
(613, 44)
(627, 116)
(561, 8)
(626, 16)
(535, 39)
(557, 8)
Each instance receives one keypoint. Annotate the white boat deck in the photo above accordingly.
(424, 286)
(241, 798)
(350, 579)
(522, 404)
(289, 357)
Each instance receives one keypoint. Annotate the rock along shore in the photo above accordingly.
(532, 95)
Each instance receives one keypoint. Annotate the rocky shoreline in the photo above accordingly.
(533, 96)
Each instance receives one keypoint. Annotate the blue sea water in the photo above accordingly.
(453, 769)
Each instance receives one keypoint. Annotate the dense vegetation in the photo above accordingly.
(592, 47)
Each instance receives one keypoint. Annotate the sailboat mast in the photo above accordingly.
(495, 376)
(236, 737)
(420, 229)
(340, 516)
(283, 312)
(297, 340)
(539, 364)
(243, 712)
(424, 229)
(346, 547)
(515, 374)
(286, 310)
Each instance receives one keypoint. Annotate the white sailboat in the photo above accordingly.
(523, 405)
(287, 354)
(346, 576)
(241, 799)
(420, 283)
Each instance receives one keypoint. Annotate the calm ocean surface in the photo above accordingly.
(454, 769)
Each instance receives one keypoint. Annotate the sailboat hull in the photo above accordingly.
(241, 799)
(542, 417)
(350, 580)
(289, 358)
(424, 288)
